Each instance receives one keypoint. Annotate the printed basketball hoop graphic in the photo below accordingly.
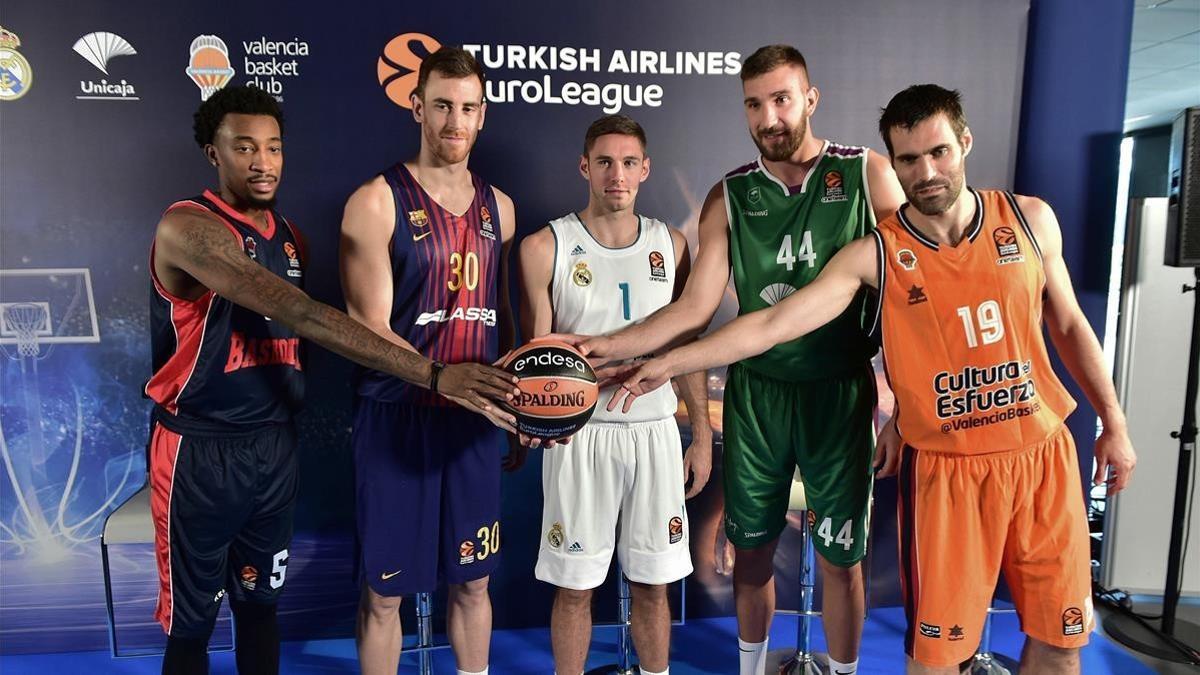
(40, 308)
(25, 321)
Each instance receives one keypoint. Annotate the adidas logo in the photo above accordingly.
(575, 548)
(578, 250)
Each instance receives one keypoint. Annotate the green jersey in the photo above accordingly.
(780, 238)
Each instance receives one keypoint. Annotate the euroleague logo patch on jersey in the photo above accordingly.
(834, 192)
(486, 228)
(249, 577)
(675, 529)
(466, 552)
(658, 266)
(1008, 250)
(907, 259)
(1072, 621)
(289, 249)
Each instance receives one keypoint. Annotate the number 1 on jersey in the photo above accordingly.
(805, 254)
(624, 299)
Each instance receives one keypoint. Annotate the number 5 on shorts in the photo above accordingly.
(845, 536)
(279, 568)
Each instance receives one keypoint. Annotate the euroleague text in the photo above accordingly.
(247, 352)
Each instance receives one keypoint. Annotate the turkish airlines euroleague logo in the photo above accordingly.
(398, 65)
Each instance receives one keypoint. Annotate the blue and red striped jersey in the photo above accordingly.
(445, 272)
(219, 366)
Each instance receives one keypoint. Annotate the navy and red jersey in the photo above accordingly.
(219, 367)
(445, 269)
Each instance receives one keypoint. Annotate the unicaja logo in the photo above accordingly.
(398, 65)
(97, 49)
(209, 65)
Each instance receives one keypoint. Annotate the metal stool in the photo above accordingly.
(985, 662)
(802, 661)
(424, 647)
(625, 664)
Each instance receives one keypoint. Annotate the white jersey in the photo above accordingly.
(598, 290)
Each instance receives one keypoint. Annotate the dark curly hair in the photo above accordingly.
(243, 100)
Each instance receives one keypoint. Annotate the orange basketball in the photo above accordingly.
(558, 389)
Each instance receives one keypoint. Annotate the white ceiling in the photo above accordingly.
(1164, 63)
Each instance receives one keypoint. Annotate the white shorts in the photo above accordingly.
(615, 485)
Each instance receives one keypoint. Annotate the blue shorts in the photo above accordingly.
(427, 490)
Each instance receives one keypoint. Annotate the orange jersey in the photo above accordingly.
(962, 333)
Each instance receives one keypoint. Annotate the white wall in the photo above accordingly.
(1151, 367)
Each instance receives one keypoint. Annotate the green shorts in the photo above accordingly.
(825, 427)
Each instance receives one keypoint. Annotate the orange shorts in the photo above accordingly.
(963, 518)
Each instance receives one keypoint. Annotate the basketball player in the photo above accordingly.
(424, 250)
(989, 479)
(619, 483)
(226, 318)
(776, 222)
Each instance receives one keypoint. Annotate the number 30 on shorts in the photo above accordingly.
(489, 540)
(845, 536)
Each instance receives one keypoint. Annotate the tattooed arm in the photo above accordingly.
(194, 251)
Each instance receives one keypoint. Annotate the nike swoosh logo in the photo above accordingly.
(419, 238)
(385, 576)
(843, 672)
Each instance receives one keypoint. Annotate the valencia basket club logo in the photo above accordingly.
(16, 76)
(398, 65)
(209, 65)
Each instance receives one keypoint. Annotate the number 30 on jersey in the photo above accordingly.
(803, 254)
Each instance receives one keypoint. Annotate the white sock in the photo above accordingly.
(839, 668)
(463, 672)
(643, 671)
(752, 656)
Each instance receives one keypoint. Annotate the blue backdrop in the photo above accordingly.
(91, 154)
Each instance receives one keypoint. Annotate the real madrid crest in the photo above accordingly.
(582, 276)
(555, 536)
(16, 75)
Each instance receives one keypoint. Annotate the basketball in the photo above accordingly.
(558, 389)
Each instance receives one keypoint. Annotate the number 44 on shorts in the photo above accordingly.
(845, 536)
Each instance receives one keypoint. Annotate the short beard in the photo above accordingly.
(261, 203)
(784, 152)
(439, 149)
(936, 206)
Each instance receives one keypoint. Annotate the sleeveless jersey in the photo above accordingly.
(780, 238)
(219, 367)
(598, 290)
(962, 333)
(445, 271)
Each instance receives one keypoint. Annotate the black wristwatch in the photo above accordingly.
(435, 372)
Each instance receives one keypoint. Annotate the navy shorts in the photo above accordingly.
(427, 489)
(222, 509)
